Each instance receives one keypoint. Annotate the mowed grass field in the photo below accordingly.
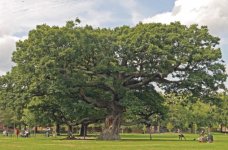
(128, 142)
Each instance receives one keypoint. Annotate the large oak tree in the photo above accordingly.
(101, 66)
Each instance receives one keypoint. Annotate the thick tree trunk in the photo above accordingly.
(35, 129)
(83, 130)
(57, 130)
(158, 129)
(112, 126)
(69, 132)
(192, 127)
(221, 128)
(70, 128)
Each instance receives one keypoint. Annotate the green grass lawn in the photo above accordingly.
(128, 142)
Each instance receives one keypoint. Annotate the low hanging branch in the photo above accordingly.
(95, 102)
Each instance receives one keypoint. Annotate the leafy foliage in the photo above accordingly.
(64, 71)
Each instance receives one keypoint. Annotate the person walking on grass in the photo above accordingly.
(17, 132)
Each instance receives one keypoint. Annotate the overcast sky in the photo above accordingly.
(17, 17)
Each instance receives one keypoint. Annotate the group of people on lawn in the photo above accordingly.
(24, 133)
(202, 137)
(205, 138)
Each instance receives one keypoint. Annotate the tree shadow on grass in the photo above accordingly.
(125, 140)
(155, 140)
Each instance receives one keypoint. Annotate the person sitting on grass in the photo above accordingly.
(5, 133)
(26, 133)
(202, 137)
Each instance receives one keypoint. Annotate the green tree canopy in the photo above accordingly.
(101, 66)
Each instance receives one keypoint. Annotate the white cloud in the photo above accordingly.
(7, 46)
(213, 13)
(17, 16)
(21, 15)
(227, 68)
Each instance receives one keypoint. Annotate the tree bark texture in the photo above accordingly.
(112, 126)
(57, 130)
